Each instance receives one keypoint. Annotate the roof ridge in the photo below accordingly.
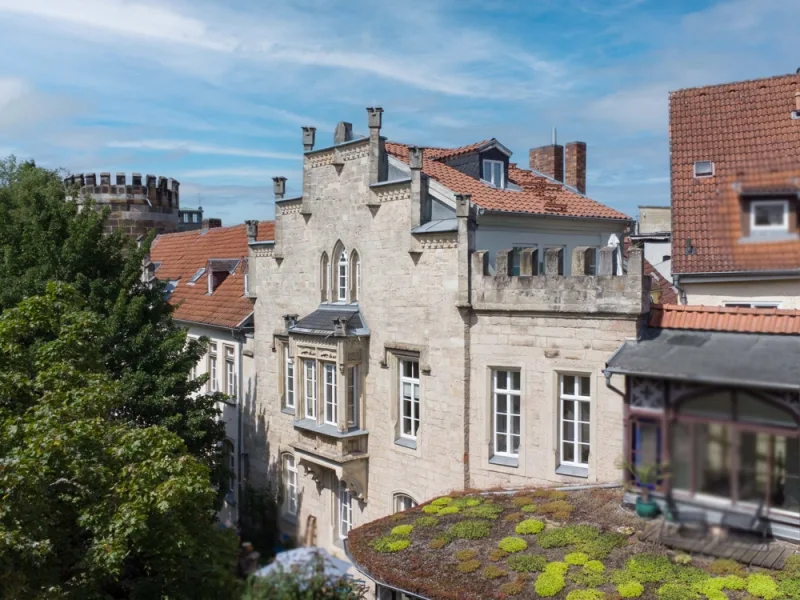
(733, 83)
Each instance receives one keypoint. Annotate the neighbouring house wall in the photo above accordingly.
(654, 253)
(785, 292)
(655, 219)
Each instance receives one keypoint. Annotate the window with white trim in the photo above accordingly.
(704, 168)
(331, 415)
(212, 367)
(506, 412)
(409, 398)
(288, 377)
(345, 510)
(494, 173)
(403, 502)
(748, 304)
(352, 397)
(310, 388)
(575, 418)
(290, 484)
(342, 276)
(769, 215)
(230, 372)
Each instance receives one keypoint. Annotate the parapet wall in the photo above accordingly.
(550, 292)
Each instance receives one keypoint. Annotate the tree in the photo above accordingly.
(91, 506)
(45, 237)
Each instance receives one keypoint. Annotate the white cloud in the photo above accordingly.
(180, 146)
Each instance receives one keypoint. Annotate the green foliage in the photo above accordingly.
(528, 508)
(495, 554)
(93, 506)
(426, 522)
(473, 529)
(449, 510)
(790, 587)
(520, 501)
(529, 527)
(438, 543)
(600, 546)
(676, 591)
(308, 582)
(726, 566)
(443, 501)
(557, 509)
(712, 588)
(549, 494)
(763, 586)
(576, 558)
(258, 516)
(594, 566)
(390, 543)
(589, 577)
(527, 563)
(493, 572)
(515, 587)
(397, 517)
(549, 584)
(484, 511)
(431, 509)
(512, 544)
(630, 589)
(402, 530)
(469, 566)
(792, 564)
(559, 537)
(557, 567)
(467, 501)
(513, 517)
(586, 595)
(646, 568)
(466, 554)
(682, 559)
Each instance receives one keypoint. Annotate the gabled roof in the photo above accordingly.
(539, 194)
(746, 129)
(182, 255)
(717, 318)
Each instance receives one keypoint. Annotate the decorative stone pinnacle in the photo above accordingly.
(415, 157)
(374, 117)
(309, 135)
(279, 186)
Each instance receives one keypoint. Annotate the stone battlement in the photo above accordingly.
(155, 191)
(581, 292)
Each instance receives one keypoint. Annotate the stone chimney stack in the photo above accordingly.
(251, 227)
(343, 133)
(548, 160)
(309, 135)
(279, 187)
(377, 151)
(575, 159)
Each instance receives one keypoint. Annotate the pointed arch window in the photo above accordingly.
(324, 275)
(342, 276)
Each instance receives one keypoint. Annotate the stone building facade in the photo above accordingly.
(398, 360)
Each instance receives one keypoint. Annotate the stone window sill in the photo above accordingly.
(505, 461)
(287, 411)
(327, 429)
(406, 443)
(572, 471)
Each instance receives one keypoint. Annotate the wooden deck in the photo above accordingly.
(753, 551)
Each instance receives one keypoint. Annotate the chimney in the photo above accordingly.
(575, 167)
(252, 230)
(548, 160)
(340, 326)
(279, 187)
(376, 147)
(309, 134)
(211, 224)
(420, 207)
(289, 321)
(343, 133)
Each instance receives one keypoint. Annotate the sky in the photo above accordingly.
(214, 94)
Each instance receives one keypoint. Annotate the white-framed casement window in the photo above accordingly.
(310, 388)
(331, 414)
(352, 397)
(212, 367)
(409, 398)
(403, 502)
(288, 377)
(769, 215)
(575, 416)
(494, 173)
(290, 484)
(229, 456)
(704, 168)
(748, 304)
(230, 372)
(345, 510)
(342, 276)
(506, 412)
(357, 268)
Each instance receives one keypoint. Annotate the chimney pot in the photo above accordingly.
(374, 117)
(415, 157)
(279, 187)
(252, 230)
(309, 135)
(343, 133)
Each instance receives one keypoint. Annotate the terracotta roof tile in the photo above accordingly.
(182, 254)
(746, 129)
(539, 195)
(669, 295)
(717, 318)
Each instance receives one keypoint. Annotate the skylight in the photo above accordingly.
(704, 168)
(198, 274)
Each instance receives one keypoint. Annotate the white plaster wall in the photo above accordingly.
(654, 253)
(786, 292)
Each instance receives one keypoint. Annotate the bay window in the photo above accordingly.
(288, 379)
(310, 388)
(352, 397)
(331, 407)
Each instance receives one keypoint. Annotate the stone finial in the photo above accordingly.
(374, 117)
(105, 178)
(279, 187)
(91, 179)
(252, 230)
(553, 261)
(463, 204)
(122, 178)
(151, 181)
(309, 135)
(343, 132)
(415, 157)
(136, 179)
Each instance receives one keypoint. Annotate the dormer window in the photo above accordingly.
(703, 168)
(494, 173)
(769, 216)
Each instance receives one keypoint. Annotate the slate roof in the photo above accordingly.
(734, 319)
(746, 129)
(321, 321)
(181, 256)
(539, 194)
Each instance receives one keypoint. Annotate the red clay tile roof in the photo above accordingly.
(182, 254)
(539, 195)
(717, 318)
(669, 295)
(746, 129)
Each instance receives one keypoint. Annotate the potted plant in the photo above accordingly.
(644, 478)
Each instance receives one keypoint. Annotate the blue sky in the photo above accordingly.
(214, 94)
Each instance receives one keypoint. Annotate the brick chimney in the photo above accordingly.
(548, 160)
(211, 224)
(575, 159)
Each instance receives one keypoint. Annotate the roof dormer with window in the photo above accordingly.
(769, 217)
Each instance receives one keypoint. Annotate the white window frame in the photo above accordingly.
(212, 367)
(491, 165)
(578, 399)
(783, 227)
(290, 483)
(230, 371)
(703, 175)
(752, 304)
(310, 388)
(358, 277)
(352, 396)
(330, 401)
(402, 502)
(341, 277)
(413, 415)
(288, 378)
(508, 391)
(345, 519)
